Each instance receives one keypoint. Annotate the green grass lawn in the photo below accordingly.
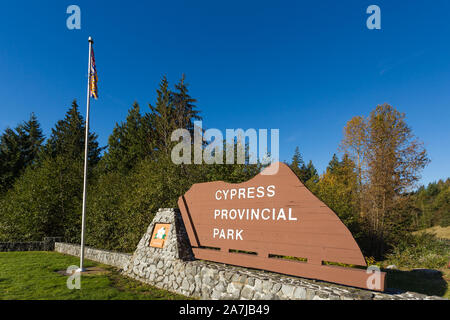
(32, 275)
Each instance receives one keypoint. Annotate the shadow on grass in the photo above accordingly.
(432, 284)
(126, 284)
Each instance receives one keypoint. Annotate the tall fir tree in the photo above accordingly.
(130, 142)
(185, 109)
(67, 138)
(163, 117)
(337, 188)
(172, 110)
(311, 172)
(297, 164)
(334, 164)
(10, 158)
(303, 172)
(33, 139)
(19, 148)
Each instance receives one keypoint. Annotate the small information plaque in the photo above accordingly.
(160, 234)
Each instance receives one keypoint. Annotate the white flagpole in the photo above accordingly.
(86, 145)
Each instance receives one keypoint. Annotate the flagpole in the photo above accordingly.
(86, 146)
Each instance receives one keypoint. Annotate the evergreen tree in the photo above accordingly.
(334, 164)
(433, 205)
(297, 163)
(185, 109)
(19, 149)
(33, 139)
(130, 142)
(337, 188)
(303, 172)
(67, 138)
(163, 117)
(173, 110)
(10, 158)
(311, 173)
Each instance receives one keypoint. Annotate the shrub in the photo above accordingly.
(45, 201)
(420, 251)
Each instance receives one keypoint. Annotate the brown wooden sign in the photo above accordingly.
(259, 222)
(160, 234)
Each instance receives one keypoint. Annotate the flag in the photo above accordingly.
(93, 78)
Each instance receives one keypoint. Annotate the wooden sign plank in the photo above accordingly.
(349, 276)
(271, 215)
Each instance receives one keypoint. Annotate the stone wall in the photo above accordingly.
(174, 268)
(116, 259)
(48, 244)
(214, 281)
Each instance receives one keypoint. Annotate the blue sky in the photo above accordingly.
(304, 67)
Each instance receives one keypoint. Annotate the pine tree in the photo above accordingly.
(10, 158)
(130, 142)
(163, 117)
(311, 173)
(334, 164)
(68, 136)
(19, 149)
(185, 109)
(172, 110)
(297, 165)
(337, 188)
(303, 172)
(33, 139)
